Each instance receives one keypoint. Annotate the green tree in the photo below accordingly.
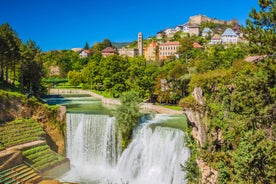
(127, 116)
(31, 70)
(261, 28)
(74, 77)
(86, 46)
(114, 73)
(107, 43)
(9, 53)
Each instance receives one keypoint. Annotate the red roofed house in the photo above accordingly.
(85, 53)
(168, 49)
(108, 51)
(197, 46)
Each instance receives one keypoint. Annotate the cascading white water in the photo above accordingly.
(91, 145)
(153, 157)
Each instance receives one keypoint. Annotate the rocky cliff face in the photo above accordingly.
(198, 119)
(52, 121)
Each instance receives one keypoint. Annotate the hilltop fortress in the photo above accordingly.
(198, 19)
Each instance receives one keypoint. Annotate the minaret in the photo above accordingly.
(140, 44)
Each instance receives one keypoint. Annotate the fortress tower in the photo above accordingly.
(140, 44)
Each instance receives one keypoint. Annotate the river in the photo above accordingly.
(154, 156)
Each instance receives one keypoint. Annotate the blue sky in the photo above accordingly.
(66, 24)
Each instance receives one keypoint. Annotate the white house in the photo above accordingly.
(206, 32)
(192, 29)
(185, 28)
(169, 31)
(178, 28)
(229, 37)
(85, 53)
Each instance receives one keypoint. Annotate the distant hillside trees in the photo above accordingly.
(66, 60)
(98, 47)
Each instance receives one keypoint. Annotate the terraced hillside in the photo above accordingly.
(21, 173)
(24, 157)
(41, 157)
(19, 131)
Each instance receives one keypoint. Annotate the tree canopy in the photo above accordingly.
(261, 28)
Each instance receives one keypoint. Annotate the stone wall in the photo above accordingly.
(56, 170)
(198, 19)
(10, 160)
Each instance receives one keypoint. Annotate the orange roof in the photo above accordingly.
(170, 43)
(88, 51)
(197, 45)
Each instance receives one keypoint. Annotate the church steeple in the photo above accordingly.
(140, 44)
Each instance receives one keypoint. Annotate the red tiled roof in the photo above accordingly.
(109, 50)
(197, 45)
(236, 26)
(88, 51)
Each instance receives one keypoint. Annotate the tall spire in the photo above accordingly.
(140, 43)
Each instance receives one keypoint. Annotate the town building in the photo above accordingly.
(178, 28)
(151, 52)
(85, 53)
(168, 49)
(140, 44)
(216, 39)
(160, 35)
(206, 32)
(169, 31)
(192, 29)
(108, 51)
(197, 46)
(77, 49)
(130, 52)
(237, 30)
(229, 37)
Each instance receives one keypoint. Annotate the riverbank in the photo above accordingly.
(110, 101)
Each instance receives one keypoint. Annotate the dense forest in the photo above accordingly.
(239, 95)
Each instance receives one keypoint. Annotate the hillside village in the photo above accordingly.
(166, 43)
(220, 76)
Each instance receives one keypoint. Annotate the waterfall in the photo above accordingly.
(154, 156)
(91, 144)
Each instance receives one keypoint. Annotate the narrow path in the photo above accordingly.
(111, 101)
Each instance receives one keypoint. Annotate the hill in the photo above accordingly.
(120, 45)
